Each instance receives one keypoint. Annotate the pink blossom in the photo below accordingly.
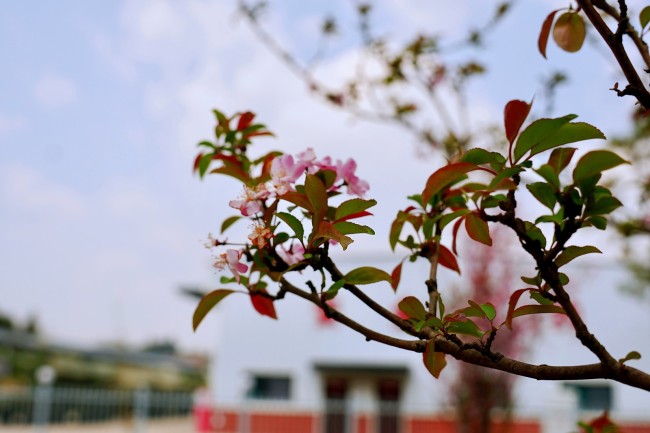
(308, 160)
(295, 253)
(231, 259)
(284, 172)
(260, 236)
(250, 202)
(345, 170)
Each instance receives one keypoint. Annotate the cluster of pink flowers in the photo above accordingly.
(286, 170)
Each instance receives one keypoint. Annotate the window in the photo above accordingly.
(593, 397)
(270, 387)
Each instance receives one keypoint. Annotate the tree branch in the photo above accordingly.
(636, 87)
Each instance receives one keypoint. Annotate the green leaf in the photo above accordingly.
(489, 310)
(396, 231)
(413, 308)
(504, 174)
(334, 289)
(432, 321)
(560, 158)
(445, 176)
(207, 303)
(596, 221)
(633, 355)
(433, 361)
(350, 207)
(317, 196)
(478, 229)
(348, 228)
(544, 193)
(537, 296)
(293, 223)
(204, 163)
(644, 17)
(536, 132)
(537, 309)
(572, 252)
(569, 32)
(228, 222)
(480, 156)
(603, 206)
(594, 163)
(568, 133)
(367, 275)
(466, 328)
(549, 175)
(535, 233)
(447, 218)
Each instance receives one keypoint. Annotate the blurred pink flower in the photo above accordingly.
(249, 202)
(345, 170)
(295, 253)
(231, 259)
(284, 172)
(260, 236)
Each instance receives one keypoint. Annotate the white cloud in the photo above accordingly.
(27, 190)
(53, 91)
(11, 123)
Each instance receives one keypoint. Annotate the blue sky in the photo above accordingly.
(101, 104)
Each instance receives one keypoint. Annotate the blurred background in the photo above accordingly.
(102, 222)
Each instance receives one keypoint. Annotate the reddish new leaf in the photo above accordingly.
(263, 305)
(413, 308)
(298, 199)
(245, 120)
(569, 32)
(478, 229)
(445, 176)
(207, 303)
(396, 276)
(197, 160)
(454, 232)
(514, 116)
(433, 361)
(447, 259)
(512, 304)
(545, 32)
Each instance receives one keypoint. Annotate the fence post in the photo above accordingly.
(42, 407)
(141, 410)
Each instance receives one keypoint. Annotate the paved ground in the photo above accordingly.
(184, 425)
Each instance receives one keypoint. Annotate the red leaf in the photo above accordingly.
(455, 233)
(258, 134)
(447, 259)
(354, 215)
(478, 229)
(196, 162)
(445, 176)
(396, 276)
(545, 31)
(514, 116)
(433, 361)
(263, 305)
(512, 303)
(298, 199)
(245, 120)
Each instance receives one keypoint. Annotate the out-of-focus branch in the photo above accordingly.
(635, 86)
